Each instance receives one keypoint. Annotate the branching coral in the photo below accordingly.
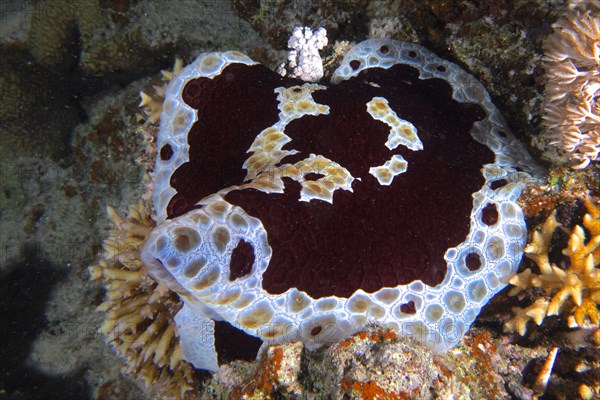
(139, 312)
(574, 290)
(572, 113)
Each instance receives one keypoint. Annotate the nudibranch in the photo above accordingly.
(294, 210)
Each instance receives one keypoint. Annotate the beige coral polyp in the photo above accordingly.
(572, 64)
(139, 312)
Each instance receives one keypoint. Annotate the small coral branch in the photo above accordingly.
(152, 103)
(304, 60)
(574, 290)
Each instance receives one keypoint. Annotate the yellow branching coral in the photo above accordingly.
(574, 291)
(572, 64)
(139, 312)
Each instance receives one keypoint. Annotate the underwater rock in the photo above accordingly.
(130, 39)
